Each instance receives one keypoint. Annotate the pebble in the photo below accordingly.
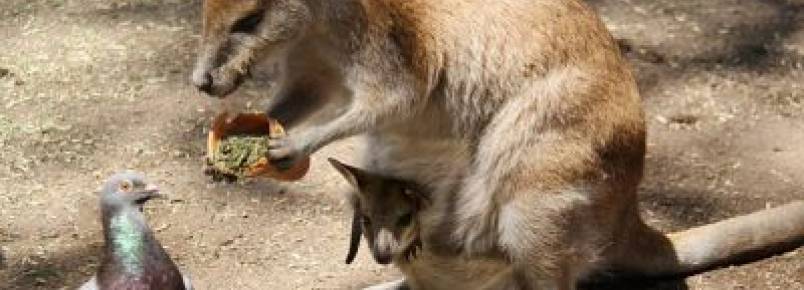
(2, 257)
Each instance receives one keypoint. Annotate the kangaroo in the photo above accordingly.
(523, 112)
(402, 225)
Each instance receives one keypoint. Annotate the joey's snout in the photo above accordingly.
(383, 248)
(382, 258)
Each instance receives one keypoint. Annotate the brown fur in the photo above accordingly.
(381, 198)
(521, 112)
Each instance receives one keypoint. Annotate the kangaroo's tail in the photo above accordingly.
(741, 239)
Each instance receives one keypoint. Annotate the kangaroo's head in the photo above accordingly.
(239, 33)
(386, 212)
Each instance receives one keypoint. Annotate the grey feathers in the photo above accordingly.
(133, 257)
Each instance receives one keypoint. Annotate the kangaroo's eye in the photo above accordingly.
(248, 24)
(366, 220)
(404, 220)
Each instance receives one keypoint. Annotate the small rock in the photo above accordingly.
(162, 227)
(176, 200)
(39, 281)
(2, 258)
(51, 235)
(227, 242)
(684, 119)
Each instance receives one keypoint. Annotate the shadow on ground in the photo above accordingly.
(55, 271)
(725, 35)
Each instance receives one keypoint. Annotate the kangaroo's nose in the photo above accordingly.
(203, 82)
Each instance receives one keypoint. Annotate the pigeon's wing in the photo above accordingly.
(186, 278)
(92, 284)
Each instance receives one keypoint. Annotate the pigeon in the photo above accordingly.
(133, 258)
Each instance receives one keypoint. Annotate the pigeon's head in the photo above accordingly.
(128, 188)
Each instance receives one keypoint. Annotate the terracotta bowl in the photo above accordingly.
(225, 125)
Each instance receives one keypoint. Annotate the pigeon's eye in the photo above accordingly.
(125, 186)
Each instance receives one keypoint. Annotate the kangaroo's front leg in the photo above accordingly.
(375, 101)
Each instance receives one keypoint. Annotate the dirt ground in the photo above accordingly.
(89, 87)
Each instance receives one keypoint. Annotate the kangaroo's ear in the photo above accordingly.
(353, 175)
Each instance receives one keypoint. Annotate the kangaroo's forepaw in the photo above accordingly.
(284, 152)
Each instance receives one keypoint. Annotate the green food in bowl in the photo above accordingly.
(236, 153)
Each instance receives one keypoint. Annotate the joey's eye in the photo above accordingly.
(404, 220)
(248, 24)
(125, 186)
(366, 220)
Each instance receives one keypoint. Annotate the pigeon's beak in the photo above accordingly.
(152, 191)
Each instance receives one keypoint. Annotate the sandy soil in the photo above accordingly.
(89, 87)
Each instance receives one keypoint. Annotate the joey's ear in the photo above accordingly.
(354, 176)
(354, 239)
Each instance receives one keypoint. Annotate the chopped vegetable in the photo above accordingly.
(236, 153)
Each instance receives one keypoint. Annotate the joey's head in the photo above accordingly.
(127, 189)
(386, 211)
(237, 34)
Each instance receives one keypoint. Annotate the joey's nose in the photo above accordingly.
(382, 258)
(203, 82)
